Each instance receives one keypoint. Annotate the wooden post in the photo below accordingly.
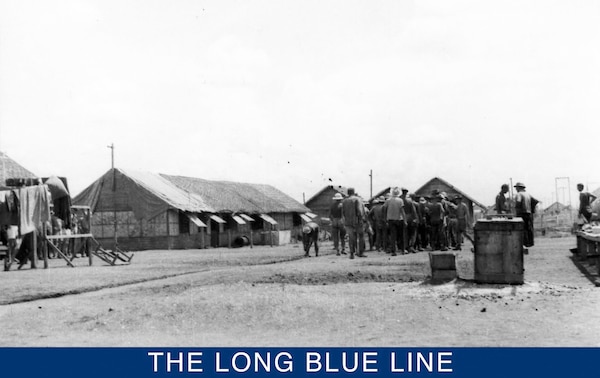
(45, 246)
(87, 242)
(33, 253)
(271, 235)
(168, 231)
(201, 229)
(228, 238)
(7, 259)
(251, 238)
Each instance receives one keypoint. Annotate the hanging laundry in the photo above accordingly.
(35, 208)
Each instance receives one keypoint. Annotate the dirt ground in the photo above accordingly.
(272, 296)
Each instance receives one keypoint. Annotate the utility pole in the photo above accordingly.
(512, 198)
(114, 189)
(371, 183)
(568, 190)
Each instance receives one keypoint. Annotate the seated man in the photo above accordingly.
(310, 234)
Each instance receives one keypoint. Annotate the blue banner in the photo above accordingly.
(300, 362)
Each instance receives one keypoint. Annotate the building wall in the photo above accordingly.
(197, 241)
(103, 224)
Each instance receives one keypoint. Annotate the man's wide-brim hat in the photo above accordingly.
(396, 192)
(306, 229)
(519, 185)
(338, 196)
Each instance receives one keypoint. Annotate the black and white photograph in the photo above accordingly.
(261, 173)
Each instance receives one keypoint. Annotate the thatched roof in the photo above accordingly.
(11, 169)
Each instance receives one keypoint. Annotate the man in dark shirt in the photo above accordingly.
(463, 216)
(412, 221)
(585, 203)
(353, 211)
(337, 224)
(423, 229)
(378, 222)
(501, 205)
(310, 235)
(437, 214)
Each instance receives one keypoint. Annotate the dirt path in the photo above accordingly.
(325, 301)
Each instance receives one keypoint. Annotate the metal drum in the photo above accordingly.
(499, 250)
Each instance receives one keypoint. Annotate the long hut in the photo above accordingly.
(159, 211)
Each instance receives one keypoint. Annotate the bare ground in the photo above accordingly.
(274, 297)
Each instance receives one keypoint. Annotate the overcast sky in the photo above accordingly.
(303, 94)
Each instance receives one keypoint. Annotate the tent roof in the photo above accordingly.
(227, 196)
(11, 169)
(151, 193)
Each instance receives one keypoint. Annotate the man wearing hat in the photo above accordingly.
(451, 223)
(337, 224)
(412, 221)
(525, 209)
(436, 218)
(396, 220)
(378, 222)
(353, 212)
(462, 215)
(310, 235)
(423, 228)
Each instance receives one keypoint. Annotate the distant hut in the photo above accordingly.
(442, 185)
(382, 193)
(320, 202)
(158, 211)
(556, 208)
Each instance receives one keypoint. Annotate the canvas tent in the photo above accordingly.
(168, 212)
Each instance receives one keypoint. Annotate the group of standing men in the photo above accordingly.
(398, 223)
